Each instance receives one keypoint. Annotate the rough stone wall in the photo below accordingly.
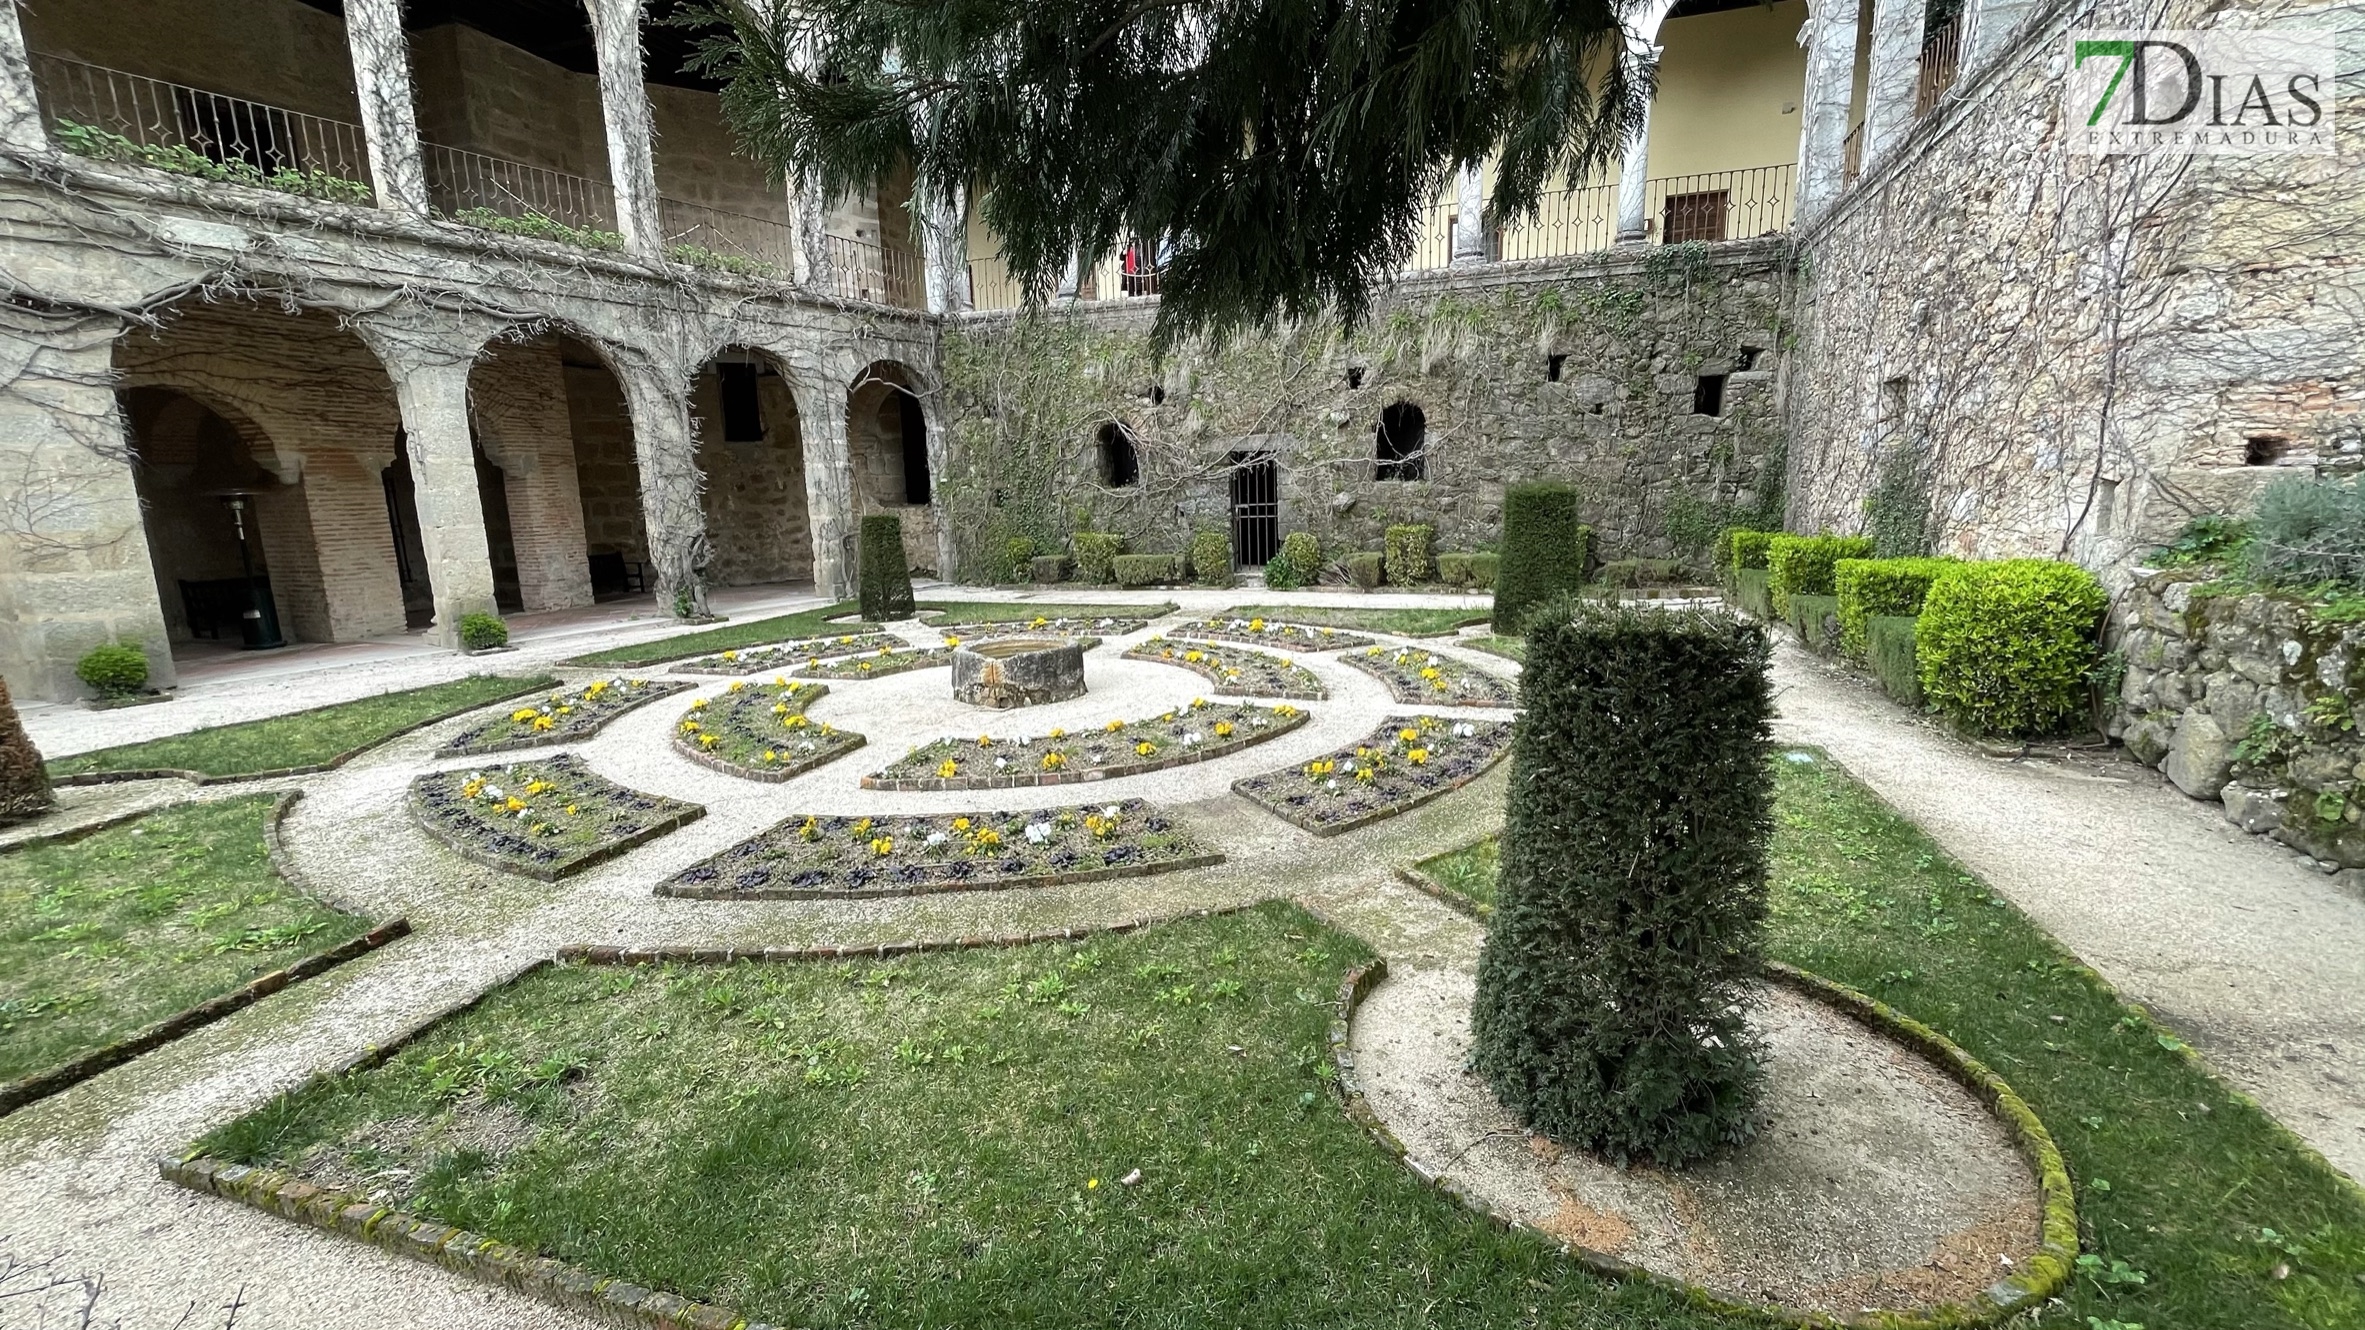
(2076, 354)
(698, 161)
(1584, 370)
(278, 51)
(2248, 700)
(755, 491)
(874, 438)
(517, 396)
(607, 476)
(482, 94)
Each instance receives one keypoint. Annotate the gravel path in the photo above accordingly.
(2247, 952)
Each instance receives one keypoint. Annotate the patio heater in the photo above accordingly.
(258, 623)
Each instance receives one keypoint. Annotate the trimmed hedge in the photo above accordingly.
(1453, 569)
(1628, 926)
(1749, 548)
(1047, 568)
(1096, 556)
(1297, 563)
(1211, 557)
(1879, 588)
(1483, 570)
(2004, 647)
(483, 632)
(1888, 649)
(1018, 558)
(1640, 572)
(1803, 564)
(1816, 620)
(1753, 591)
(116, 670)
(1365, 568)
(1543, 550)
(886, 580)
(1407, 549)
(1137, 570)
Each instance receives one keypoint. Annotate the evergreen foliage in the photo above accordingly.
(1407, 549)
(1543, 550)
(1079, 124)
(1877, 588)
(1096, 556)
(1018, 559)
(1367, 568)
(1798, 564)
(2004, 647)
(1138, 570)
(1897, 513)
(1628, 925)
(483, 632)
(1045, 569)
(24, 781)
(1749, 548)
(1816, 621)
(886, 579)
(113, 670)
(1453, 569)
(1753, 591)
(1211, 557)
(2307, 531)
(1483, 570)
(1888, 649)
(1298, 562)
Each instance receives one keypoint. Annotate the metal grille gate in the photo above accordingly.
(1256, 508)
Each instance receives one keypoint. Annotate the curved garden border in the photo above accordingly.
(1143, 767)
(682, 817)
(1223, 688)
(653, 690)
(2043, 1275)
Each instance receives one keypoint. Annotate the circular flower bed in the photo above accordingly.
(823, 857)
(1234, 671)
(782, 655)
(1271, 633)
(878, 664)
(1185, 735)
(1426, 678)
(761, 731)
(565, 715)
(544, 818)
(1404, 763)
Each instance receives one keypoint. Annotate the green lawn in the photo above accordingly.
(755, 632)
(107, 935)
(2196, 1194)
(1407, 623)
(1469, 872)
(1509, 648)
(955, 612)
(303, 738)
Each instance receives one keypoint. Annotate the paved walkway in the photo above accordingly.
(2247, 952)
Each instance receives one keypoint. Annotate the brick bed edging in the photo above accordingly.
(1413, 877)
(678, 891)
(1376, 815)
(1203, 753)
(546, 1279)
(656, 690)
(2044, 1275)
(312, 769)
(1319, 694)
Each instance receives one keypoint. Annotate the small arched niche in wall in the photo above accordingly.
(1120, 462)
(1401, 451)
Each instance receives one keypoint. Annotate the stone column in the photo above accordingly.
(430, 369)
(632, 132)
(20, 107)
(1634, 173)
(945, 244)
(665, 443)
(1469, 223)
(1895, 76)
(1071, 283)
(382, 81)
(829, 486)
(75, 571)
(1990, 26)
(1830, 40)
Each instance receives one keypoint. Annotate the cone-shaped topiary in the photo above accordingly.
(1629, 922)
(886, 585)
(24, 781)
(1543, 550)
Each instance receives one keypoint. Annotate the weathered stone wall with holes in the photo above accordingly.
(755, 491)
(2078, 353)
(283, 52)
(2250, 701)
(1584, 369)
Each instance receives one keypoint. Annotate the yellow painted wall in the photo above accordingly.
(1729, 90)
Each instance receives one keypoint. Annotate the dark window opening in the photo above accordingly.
(1403, 432)
(1354, 376)
(743, 407)
(1553, 365)
(1120, 464)
(2264, 449)
(1749, 355)
(1708, 395)
(915, 448)
(1157, 394)
(1690, 217)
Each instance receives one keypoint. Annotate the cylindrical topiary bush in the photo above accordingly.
(1211, 557)
(2004, 648)
(1407, 550)
(1096, 556)
(113, 670)
(1483, 570)
(1366, 568)
(1543, 550)
(886, 578)
(1802, 564)
(1879, 589)
(1018, 558)
(24, 781)
(1628, 925)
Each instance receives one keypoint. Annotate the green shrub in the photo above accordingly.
(2307, 531)
(113, 670)
(1096, 556)
(2004, 647)
(1047, 568)
(1888, 648)
(1453, 569)
(24, 779)
(1211, 557)
(1879, 588)
(1816, 619)
(885, 579)
(2209, 540)
(1803, 563)
(1366, 568)
(1720, 553)
(1297, 563)
(1753, 591)
(1146, 569)
(1407, 553)
(1749, 548)
(1018, 557)
(1543, 550)
(1483, 568)
(1628, 924)
(482, 632)
(1640, 572)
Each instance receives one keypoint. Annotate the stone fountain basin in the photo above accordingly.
(1018, 672)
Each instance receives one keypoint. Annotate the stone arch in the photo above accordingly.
(1118, 455)
(894, 443)
(1400, 444)
(751, 457)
